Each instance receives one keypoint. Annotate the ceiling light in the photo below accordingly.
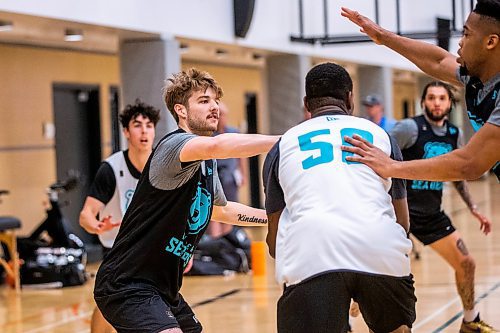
(6, 25)
(73, 35)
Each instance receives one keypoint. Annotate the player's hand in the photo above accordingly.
(370, 28)
(485, 223)
(106, 224)
(369, 155)
(90, 225)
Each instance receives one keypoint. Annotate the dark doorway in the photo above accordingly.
(254, 169)
(406, 109)
(114, 104)
(78, 145)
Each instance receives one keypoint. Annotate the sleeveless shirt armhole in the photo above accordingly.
(275, 199)
(104, 184)
(219, 195)
(166, 170)
(398, 187)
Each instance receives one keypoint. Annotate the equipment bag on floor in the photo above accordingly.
(220, 256)
(53, 267)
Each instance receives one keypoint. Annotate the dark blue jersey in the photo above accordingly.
(481, 100)
(160, 231)
(424, 197)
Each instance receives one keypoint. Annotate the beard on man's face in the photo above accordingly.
(201, 127)
(434, 117)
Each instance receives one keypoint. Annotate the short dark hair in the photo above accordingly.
(132, 111)
(327, 84)
(490, 8)
(446, 86)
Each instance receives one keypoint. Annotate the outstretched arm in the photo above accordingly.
(463, 190)
(227, 145)
(430, 58)
(239, 214)
(88, 220)
(468, 162)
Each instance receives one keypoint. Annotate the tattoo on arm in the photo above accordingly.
(251, 219)
(463, 190)
(461, 247)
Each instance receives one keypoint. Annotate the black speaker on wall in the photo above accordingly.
(243, 13)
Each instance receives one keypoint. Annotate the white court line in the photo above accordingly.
(435, 314)
(59, 323)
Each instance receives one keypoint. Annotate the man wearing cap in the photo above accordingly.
(375, 111)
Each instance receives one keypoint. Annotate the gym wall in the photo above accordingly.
(27, 158)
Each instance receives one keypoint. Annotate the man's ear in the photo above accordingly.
(126, 133)
(350, 101)
(305, 104)
(493, 41)
(181, 111)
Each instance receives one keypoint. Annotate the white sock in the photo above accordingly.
(470, 315)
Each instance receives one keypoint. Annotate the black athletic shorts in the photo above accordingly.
(105, 251)
(142, 310)
(321, 303)
(431, 228)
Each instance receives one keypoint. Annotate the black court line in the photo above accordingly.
(216, 298)
(458, 315)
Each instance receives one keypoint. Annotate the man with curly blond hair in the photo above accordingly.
(137, 286)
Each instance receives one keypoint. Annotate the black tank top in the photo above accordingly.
(424, 197)
(158, 235)
(480, 112)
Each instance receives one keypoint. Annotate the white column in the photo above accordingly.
(144, 66)
(285, 83)
(376, 80)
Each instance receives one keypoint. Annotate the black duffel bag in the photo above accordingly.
(53, 267)
(222, 256)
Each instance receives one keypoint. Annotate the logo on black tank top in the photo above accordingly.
(199, 211)
(475, 121)
(197, 220)
(433, 149)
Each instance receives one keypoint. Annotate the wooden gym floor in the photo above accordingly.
(247, 304)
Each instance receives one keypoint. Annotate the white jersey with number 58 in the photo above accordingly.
(338, 214)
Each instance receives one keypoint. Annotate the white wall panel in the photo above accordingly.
(273, 22)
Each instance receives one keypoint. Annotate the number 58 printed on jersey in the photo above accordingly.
(325, 147)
